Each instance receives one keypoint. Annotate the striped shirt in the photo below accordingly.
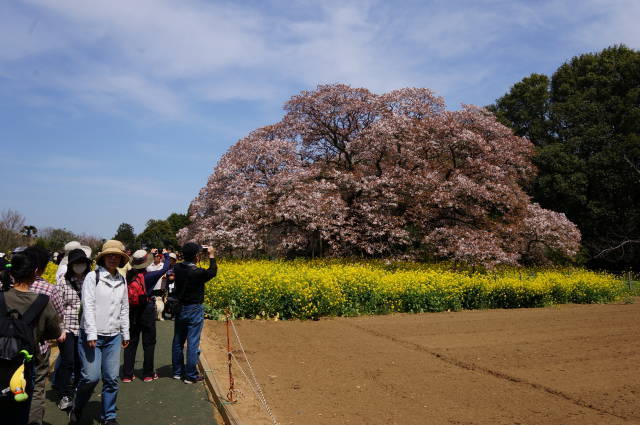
(71, 305)
(41, 286)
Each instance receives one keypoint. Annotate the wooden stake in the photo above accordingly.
(230, 394)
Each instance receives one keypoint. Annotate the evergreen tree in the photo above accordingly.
(126, 235)
(586, 126)
(178, 221)
(158, 234)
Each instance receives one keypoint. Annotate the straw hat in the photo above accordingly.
(113, 247)
(141, 259)
(70, 246)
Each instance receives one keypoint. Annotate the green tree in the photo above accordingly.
(55, 239)
(586, 126)
(178, 221)
(526, 109)
(126, 235)
(158, 234)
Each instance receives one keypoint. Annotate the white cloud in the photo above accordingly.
(111, 90)
(166, 38)
(116, 55)
(24, 35)
(163, 57)
(345, 45)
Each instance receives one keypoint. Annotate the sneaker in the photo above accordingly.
(177, 377)
(193, 380)
(150, 378)
(128, 379)
(74, 416)
(65, 403)
(110, 422)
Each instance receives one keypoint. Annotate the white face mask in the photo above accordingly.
(79, 268)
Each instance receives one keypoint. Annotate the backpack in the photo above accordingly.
(137, 291)
(16, 336)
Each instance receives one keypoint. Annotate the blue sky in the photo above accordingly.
(117, 111)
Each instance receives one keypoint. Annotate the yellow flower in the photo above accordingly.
(313, 288)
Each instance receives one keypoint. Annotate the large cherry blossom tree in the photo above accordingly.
(351, 173)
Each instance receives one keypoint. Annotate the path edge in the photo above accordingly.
(226, 410)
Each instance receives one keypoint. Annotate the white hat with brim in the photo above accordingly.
(70, 247)
(113, 247)
(141, 259)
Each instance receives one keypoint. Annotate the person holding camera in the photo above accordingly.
(142, 314)
(189, 292)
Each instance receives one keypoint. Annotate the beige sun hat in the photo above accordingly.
(141, 259)
(70, 246)
(112, 247)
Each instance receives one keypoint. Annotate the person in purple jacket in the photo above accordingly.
(142, 315)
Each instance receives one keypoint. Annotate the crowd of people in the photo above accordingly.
(96, 308)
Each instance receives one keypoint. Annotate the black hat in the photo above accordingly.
(77, 255)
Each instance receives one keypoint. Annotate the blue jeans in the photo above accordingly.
(102, 361)
(187, 327)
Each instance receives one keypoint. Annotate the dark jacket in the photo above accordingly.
(190, 281)
(151, 278)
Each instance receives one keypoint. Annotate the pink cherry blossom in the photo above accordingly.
(348, 172)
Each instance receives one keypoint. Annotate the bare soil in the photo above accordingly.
(570, 364)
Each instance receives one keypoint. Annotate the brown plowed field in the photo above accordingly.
(570, 364)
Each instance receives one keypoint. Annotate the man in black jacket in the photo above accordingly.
(189, 290)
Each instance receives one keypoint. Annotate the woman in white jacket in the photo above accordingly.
(104, 329)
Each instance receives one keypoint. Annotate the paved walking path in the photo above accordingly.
(165, 401)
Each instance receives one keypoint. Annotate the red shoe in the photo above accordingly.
(128, 379)
(150, 378)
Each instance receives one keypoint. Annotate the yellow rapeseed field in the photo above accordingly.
(305, 289)
(309, 289)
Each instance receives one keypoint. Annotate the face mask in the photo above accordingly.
(79, 268)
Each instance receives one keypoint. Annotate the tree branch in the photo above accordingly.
(631, 163)
(621, 245)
